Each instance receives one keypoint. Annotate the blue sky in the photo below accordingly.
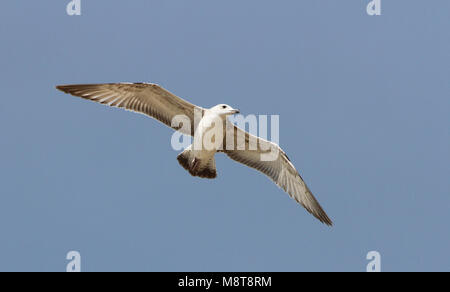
(364, 113)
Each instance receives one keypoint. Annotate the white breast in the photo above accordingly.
(208, 137)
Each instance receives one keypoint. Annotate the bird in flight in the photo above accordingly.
(158, 103)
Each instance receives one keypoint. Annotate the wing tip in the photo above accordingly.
(327, 221)
(320, 215)
(323, 217)
(318, 212)
(63, 88)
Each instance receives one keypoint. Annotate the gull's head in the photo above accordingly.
(224, 110)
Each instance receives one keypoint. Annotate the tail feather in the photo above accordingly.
(204, 169)
(209, 171)
(184, 159)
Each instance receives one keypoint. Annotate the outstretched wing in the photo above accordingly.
(145, 98)
(276, 166)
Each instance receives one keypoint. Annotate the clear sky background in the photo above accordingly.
(364, 111)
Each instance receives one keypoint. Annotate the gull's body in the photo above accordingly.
(197, 159)
(158, 103)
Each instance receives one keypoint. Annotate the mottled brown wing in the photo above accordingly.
(144, 98)
(279, 169)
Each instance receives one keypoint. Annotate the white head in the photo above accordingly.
(224, 110)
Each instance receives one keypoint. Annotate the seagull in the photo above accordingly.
(156, 102)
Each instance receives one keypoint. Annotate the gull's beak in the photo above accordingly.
(236, 111)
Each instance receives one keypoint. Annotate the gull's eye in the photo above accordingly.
(224, 106)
